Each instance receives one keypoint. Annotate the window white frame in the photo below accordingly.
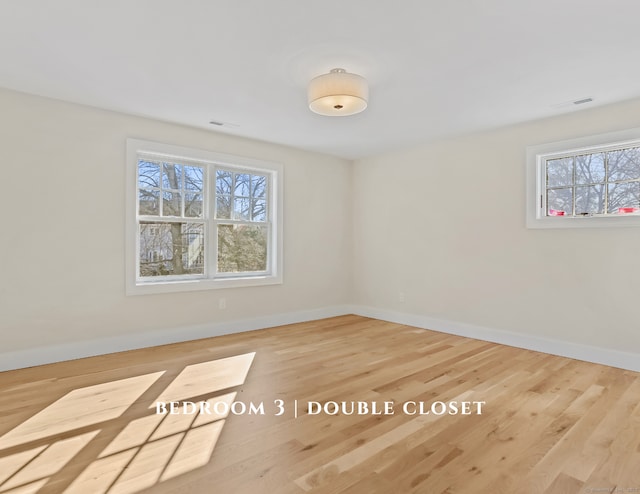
(536, 156)
(212, 161)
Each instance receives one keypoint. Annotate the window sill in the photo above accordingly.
(151, 287)
(622, 221)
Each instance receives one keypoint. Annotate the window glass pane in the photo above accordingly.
(560, 172)
(243, 184)
(149, 202)
(193, 178)
(589, 169)
(242, 248)
(148, 174)
(223, 182)
(171, 204)
(559, 202)
(259, 210)
(171, 249)
(625, 195)
(590, 200)
(241, 208)
(259, 186)
(193, 248)
(171, 176)
(193, 205)
(624, 164)
(223, 207)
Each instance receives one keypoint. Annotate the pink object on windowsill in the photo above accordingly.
(555, 212)
(628, 210)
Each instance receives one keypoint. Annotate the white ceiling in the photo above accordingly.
(435, 68)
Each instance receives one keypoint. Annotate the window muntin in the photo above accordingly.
(201, 220)
(597, 183)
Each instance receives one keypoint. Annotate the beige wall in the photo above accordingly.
(62, 254)
(445, 225)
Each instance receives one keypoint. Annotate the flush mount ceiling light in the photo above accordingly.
(338, 94)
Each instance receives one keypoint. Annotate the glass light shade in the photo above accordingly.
(338, 93)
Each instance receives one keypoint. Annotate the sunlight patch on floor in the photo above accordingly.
(81, 408)
(142, 448)
(47, 461)
(206, 377)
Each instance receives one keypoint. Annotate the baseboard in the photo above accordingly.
(71, 351)
(605, 356)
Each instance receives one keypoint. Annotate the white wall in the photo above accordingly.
(62, 248)
(445, 225)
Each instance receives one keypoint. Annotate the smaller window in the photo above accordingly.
(587, 182)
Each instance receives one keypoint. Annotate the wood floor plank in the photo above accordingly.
(549, 425)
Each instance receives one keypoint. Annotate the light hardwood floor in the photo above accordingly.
(549, 425)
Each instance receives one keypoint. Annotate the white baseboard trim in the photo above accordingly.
(71, 351)
(81, 349)
(605, 356)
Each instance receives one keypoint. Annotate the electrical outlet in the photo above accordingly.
(222, 303)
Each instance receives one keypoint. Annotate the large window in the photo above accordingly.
(586, 182)
(201, 220)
